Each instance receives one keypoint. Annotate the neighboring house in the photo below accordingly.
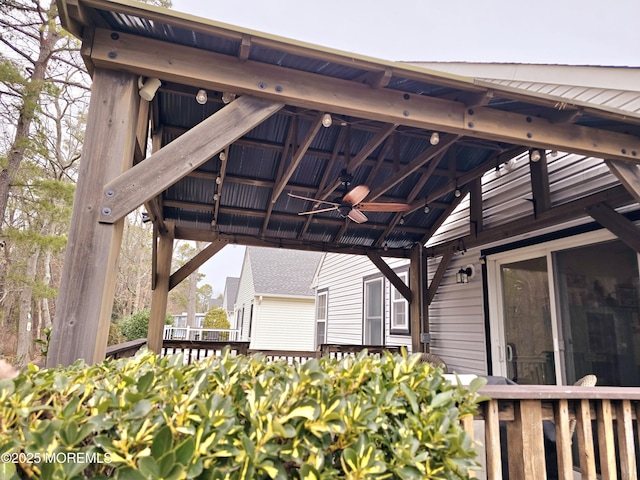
(275, 306)
(544, 307)
(229, 299)
(180, 320)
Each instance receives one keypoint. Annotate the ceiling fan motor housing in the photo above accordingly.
(344, 209)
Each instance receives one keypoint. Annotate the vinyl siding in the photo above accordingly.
(283, 323)
(245, 299)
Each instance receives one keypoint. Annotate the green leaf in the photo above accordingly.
(128, 473)
(145, 381)
(162, 442)
(184, 451)
(149, 467)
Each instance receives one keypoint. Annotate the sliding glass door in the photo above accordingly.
(565, 310)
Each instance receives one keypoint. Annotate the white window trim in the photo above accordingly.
(366, 281)
(325, 294)
(393, 328)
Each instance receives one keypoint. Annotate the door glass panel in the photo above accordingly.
(598, 301)
(527, 322)
(373, 313)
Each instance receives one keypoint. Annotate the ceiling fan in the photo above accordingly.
(352, 206)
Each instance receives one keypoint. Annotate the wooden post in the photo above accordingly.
(418, 310)
(85, 300)
(526, 442)
(161, 292)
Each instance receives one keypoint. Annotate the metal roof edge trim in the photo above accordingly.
(133, 7)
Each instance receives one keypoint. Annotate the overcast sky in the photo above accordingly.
(571, 32)
(574, 32)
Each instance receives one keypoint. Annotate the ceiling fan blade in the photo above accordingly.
(356, 195)
(383, 207)
(315, 200)
(320, 210)
(357, 216)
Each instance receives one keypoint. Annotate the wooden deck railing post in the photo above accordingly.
(526, 442)
(563, 438)
(492, 440)
(626, 441)
(606, 444)
(585, 440)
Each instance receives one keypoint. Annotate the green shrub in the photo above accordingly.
(137, 325)
(238, 418)
(216, 317)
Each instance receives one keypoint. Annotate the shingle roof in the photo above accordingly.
(231, 290)
(283, 271)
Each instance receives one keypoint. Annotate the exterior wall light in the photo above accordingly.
(464, 274)
(148, 89)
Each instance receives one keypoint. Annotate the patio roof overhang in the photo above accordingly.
(273, 141)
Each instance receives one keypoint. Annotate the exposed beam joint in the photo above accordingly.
(388, 272)
(204, 69)
(628, 174)
(186, 153)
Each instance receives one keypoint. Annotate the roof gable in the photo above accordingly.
(282, 271)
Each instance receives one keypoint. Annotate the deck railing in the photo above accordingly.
(196, 334)
(527, 432)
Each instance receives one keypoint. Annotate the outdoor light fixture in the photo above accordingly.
(435, 138)
(326, 120)
(457, 192)
(148, 89)
(228, 97)
(498, 172)
(201, 97)
(553, 153)
(218, 180)
(401, 220)
(223, 156)
(534, 155)
(215, 197)
(427, 209)
(464, 274)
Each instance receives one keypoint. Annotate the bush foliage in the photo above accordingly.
(239, 418)
(137, 325)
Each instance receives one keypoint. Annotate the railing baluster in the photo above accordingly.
(585, 440)
(492, 440)
(563, 439)
(626, 442)
(606, 442)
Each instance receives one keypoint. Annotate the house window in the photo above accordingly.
(374, 312)
(400, 308)
(321, 318)
(566, 309)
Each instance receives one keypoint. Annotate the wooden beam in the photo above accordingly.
(388, 272)
(85, 298)
(628, 174)
(299, 154)
(418, 308)
(540, 184)
(186, 153)
(614, 197)
(439, 275)
(196, 262)
(204, 69)
(475, 206)
(617, 224)
(160, 294)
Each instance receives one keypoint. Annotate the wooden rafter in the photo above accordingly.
(200, 68)
(413, 166)
(616, 223)
(417, 188)
(361, 156)
(292, 133)
(161, 170)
